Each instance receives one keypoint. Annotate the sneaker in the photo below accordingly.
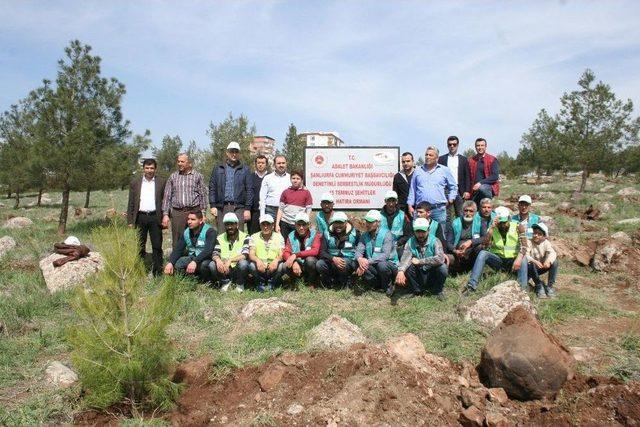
(391, 289)
(551, 293)
(440, 296)
(540, 293)
(261, 287)
(240, 289)
(225, 287)
(468, 290)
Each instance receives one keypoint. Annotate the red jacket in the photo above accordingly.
(488, 162)
(313, 251)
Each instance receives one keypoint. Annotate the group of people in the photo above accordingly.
(437, 220)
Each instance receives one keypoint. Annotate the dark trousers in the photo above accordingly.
(309, 270)
(285, 229)
(270, 278)
(330, 275)
(455, 209)
(237, 274)
(178, 224)
(254, 224)
(422, 278)
(203, 272)
(226, 209)
(381, 274)
(535, 273)
(149, 224)
(485, 191)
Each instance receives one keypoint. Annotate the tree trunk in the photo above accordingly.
(86, 198)
(40, 191)
(17, 200)
(9, 193)
(583, 183)
(62, 223)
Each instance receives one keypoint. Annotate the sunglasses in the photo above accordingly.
(451, 144)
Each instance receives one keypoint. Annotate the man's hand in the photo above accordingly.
(464, 245)
(214, 212)
(415, 261)
(446, 260)
(261, 266)
(191, 267)
(466, 195)
(546, 265)
(130, 225)
(296, 269)
(165, 221)
(168, 269)
(289, 262)
(247, 215)
(401, 279)
(521, 228)
(363, 263)
(516, 265)
(410, 211)
(277, 227)
(360, 271)
(476, 186)
(339, 262)
(273, 266)
(222, 266)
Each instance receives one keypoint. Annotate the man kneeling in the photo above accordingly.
(265, 253)
(230, 263)
(301, 251)
(337, 252)
(376, 254)
(422, 262)
(192, 253)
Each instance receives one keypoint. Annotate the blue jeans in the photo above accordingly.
(271, 278)
(535, 273)
(423, 278)
(380, 274)
(237, 274)
(497, 263)
(485, 191)
(439, 214)
(330, 275)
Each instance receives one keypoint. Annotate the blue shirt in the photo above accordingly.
(430, 185)
(228, 182)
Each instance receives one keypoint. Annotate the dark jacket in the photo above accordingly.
(242, 186)
(401, 187)
(464, 173)
(256, 183)
(181, 247)
(133, 206)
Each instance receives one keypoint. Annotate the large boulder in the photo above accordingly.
(264, 306)
(17, 222)
(523, 359)
(6, 244)
(409, 349)
(611, 251)
(72, 273)
(60, 375)
(491, 309)
(336, 333)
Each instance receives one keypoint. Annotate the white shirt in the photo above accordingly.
(272, 187)
(452, 163)
(148, 195)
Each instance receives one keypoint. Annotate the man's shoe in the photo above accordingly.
(225, 287)
(551, 293)
(468, 290)
(240, 289)
(440, 296)
(540, 293)
(391, 289)
(261, 287)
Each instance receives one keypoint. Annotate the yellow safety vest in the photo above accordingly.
(228, 251)
(269, 250)
(508, 248)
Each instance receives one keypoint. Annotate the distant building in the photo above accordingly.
(263, 145)
(321, 139)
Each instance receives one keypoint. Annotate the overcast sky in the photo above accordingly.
(406, 73)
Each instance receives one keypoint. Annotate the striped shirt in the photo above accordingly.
(184, 191)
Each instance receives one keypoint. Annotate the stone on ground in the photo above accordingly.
(628, 191)
(523, 359)
(71, 274)
(335, 333)
(611, 251)
(17, 222)
(264, 306)
(409, 349)
(471, 417)
(491, 309)
(60, 375)
(6, 244)
(270, 378)
(629, 221)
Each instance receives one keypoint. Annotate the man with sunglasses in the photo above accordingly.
(231, 188)
(459, 166)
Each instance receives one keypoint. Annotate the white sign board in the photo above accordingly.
(357, 177)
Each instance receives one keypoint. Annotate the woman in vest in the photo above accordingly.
(265, 254)
(376, 255)
(422, 264)
(337, 252)
(230, 265)
(301, 251)
(506, 247)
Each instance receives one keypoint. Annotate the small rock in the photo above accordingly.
(564, 206)
(607, 188)
(493, 307)
(111, 213)
(628, 191)
(6, 244)
(208, 314)
(288, 359)
(497, 420)
(409, 349)
(471, 417)
(498, 395)
(264, 306)
(606, 207)
(629, 221)
(257, 397)
(17, 222)
(462, 381)
(271, 377)
(469, 398)
(295, 409)
(335, 333)
(583, 354)
(620, 236)
(60, 375)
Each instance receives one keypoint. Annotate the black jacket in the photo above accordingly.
(464, 175)
(401, 186)
(256, 183)
(242, 186)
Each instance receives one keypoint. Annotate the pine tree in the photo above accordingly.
(167, 155)
(230, 129)
(293, 149)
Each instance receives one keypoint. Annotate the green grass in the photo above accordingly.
(568, 306)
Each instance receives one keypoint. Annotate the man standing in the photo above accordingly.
(260, 164)
(376, 254)
(230, 188)
(323, 218)
(460, 170)
(402, 180)
(144, 212)
(485, 173)
(272, 187)
(192, 254)
(432, 183)
(185, 192)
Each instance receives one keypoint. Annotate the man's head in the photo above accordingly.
(184, 162)
(233, 152)
(326, 202)
(421, 230)
(503, 216)
(431, 156)
(260, 163)
(524, 204)
(372, 220)
(540, 233)
(230, 221)
(280, 164)
(468, 210)
(266, 225)
(302, 223)
(391, 202)
(296, 179)
(149, 168)
(486, 206)
(338, 222)
(407, 162)
(452, 144)
(195, 219)
(423, 210)
(481, 146)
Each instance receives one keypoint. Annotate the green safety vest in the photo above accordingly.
(533, 219)
(397, 225)
(199, 246)
(349, 249)
(375, 247)
(476, 227)
(321, 223)
(228, 250)
(505, 249)
(295, 243)
(428, 253)
(269, 250)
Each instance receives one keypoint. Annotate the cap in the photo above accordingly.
(266, 218)
(543, 227)
(525, 198)
(503, 214)
(233, 146)
(373, 215)
(338, 217)
(390, 195)
(302, 216)
(327, 197)
(72, 240)
(421, 224)
(229, 217)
